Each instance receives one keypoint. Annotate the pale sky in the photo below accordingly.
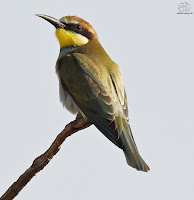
(154, 47)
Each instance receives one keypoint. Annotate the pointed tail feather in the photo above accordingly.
(131, 152)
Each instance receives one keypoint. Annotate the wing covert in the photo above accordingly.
(94, 93)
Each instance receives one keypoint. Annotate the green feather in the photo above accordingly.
(95, 84)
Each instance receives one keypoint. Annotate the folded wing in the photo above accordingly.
(99, 93)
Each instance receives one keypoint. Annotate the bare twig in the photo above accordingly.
(40, 162)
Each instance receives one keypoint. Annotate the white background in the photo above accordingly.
(154, 47)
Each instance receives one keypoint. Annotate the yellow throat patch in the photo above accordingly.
(69, 38)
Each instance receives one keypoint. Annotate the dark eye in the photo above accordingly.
(79, 27)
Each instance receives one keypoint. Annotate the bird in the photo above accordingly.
(91, 83)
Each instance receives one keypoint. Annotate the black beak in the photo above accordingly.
(53, 21)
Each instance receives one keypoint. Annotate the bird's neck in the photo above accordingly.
(92, 49)
(65, 50)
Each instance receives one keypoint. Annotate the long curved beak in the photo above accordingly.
(53, 21)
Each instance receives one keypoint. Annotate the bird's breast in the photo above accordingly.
(67, 100)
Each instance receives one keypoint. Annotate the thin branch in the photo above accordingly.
(40, 162)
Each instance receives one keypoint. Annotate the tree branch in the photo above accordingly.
(40, 162)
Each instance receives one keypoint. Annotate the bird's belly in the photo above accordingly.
(67, 101)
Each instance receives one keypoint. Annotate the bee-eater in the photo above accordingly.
(91, 83)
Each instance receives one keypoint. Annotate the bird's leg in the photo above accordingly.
(79, 115)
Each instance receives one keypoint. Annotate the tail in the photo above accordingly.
(130, 150)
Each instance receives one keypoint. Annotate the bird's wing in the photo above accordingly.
(99, 93)
(109, 80)
(93, 91)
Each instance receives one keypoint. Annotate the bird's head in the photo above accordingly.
(71, 30)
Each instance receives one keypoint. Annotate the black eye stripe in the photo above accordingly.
(73, 27)
(78, 28)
